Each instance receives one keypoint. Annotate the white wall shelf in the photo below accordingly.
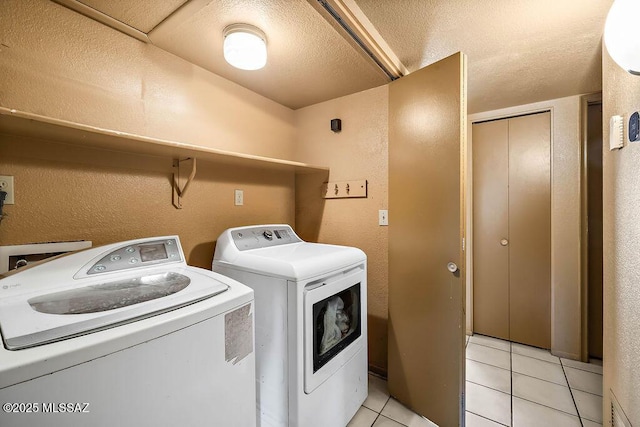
(19, 123)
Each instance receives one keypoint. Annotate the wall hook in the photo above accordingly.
(179, 193)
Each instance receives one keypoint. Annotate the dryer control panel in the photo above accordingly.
(263, 237)
(146, 253)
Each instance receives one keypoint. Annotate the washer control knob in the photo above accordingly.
(268, 234)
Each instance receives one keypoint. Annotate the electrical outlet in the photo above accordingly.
(239, 198)
(6, 184)
(383, 217)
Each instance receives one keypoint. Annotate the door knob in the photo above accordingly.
(504, 242)
(452, 267)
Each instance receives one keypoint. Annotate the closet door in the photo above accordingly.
(512, 229)
(490, 226)
(530, 229)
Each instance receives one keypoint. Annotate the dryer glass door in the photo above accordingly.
(336, 321)
(333, 316)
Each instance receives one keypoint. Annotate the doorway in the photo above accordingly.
(512, 229)
(592, 227)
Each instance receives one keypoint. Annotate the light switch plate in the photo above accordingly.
(239, 198)
(383, 217)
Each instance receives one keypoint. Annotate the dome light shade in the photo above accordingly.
(245, 47)
(621, 35)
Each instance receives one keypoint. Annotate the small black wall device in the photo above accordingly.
(634, 127)
(336, 125)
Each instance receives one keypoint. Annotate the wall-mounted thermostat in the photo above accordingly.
(616, 132)
(634, 127)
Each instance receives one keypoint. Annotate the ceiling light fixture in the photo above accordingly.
(245, 46)
(621, 36)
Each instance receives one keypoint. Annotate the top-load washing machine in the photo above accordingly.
(125, 335)
(311, 328)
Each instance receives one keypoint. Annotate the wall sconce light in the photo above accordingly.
(621, 35)
(245, 46)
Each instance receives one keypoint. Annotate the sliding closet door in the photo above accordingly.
(490, 226)
(512, 229)
(530, 229)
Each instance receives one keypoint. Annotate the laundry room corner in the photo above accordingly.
(68, 186)
(359, 151)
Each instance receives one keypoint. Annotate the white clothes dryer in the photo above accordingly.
(125, 335)
(311, 323)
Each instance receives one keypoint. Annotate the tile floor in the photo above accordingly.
(508, 384)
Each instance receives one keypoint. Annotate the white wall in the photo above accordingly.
(621, 225)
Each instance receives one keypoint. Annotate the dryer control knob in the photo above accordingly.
(268, 234)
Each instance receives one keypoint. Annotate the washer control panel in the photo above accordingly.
(147, 253)
(263, 237)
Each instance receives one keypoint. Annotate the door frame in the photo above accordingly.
(585, 101)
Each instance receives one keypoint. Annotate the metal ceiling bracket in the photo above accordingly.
(357, 26)
(103, 18)
(179, 193)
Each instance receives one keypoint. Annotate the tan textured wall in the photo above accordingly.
(63, 192)
(565, 220)
(358, 152)
(621, 223)
(58, 63)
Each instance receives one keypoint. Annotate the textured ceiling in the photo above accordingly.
(308, 60)
(519, 51)
(143, 15)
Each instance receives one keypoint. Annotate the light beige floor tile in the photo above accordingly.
(529, 414)
(488, 376)
(363, 418)
(589, 405)
(474, 420)
(488, 403)
(383, 421)
(488, 355)
(584, 381)
(587, 423)
(378, 394)
(398, 412)
(543, 392)
(537, 368)
(491, 342)
(534, 352)
(595, 367)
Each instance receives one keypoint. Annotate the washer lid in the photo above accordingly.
(31, 320)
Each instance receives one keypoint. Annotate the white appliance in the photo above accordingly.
(17, 256)
(125, 334)
(311, 328)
